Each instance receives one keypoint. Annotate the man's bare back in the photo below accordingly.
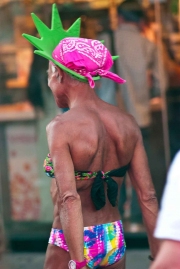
(98, 140)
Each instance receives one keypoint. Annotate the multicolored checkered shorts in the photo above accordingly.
(104, 244)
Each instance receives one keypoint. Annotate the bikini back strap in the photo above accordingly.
(97, 191)
(120, 172)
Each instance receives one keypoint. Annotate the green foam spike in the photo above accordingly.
(55, 18)
(50, 37)
(74, 30)
(41, 27)
(115, 57)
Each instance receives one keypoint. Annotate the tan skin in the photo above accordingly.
(93, 136)
(168, 255)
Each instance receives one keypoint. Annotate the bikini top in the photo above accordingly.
(97, 191)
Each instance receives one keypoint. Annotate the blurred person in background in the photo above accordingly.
(106, 88)
(91, 148)
(139, 65)
(170, 50)
(168, 222)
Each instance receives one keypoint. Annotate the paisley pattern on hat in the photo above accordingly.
(93, 49)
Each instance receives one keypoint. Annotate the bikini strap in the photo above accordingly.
(119, 172)
(48, 166)
(97, 190)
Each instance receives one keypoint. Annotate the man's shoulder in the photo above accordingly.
(127, 117)
(67, 123)
(128, 121)
(59, 124)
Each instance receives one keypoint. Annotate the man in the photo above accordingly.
(138, 57)
(168, 224)
(92, 136)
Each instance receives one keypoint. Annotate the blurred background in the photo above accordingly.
(27, 106)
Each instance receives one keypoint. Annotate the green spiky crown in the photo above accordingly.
(50, 38)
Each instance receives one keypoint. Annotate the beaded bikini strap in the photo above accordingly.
(79, 175)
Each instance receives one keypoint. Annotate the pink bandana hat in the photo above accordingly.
(86, 57)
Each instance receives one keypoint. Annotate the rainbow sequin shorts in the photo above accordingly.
(104, 244)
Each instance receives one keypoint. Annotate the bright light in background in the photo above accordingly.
(93, 3)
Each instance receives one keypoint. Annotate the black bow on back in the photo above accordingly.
(97, 191)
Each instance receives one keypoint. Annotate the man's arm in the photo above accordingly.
(141, 180)
(69, 203)
(168, 224)
(168, 257)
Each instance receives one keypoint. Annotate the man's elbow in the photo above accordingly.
(69, 198)
(149, 197)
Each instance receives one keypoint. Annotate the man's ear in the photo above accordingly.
(57, 73)
(60, 75)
